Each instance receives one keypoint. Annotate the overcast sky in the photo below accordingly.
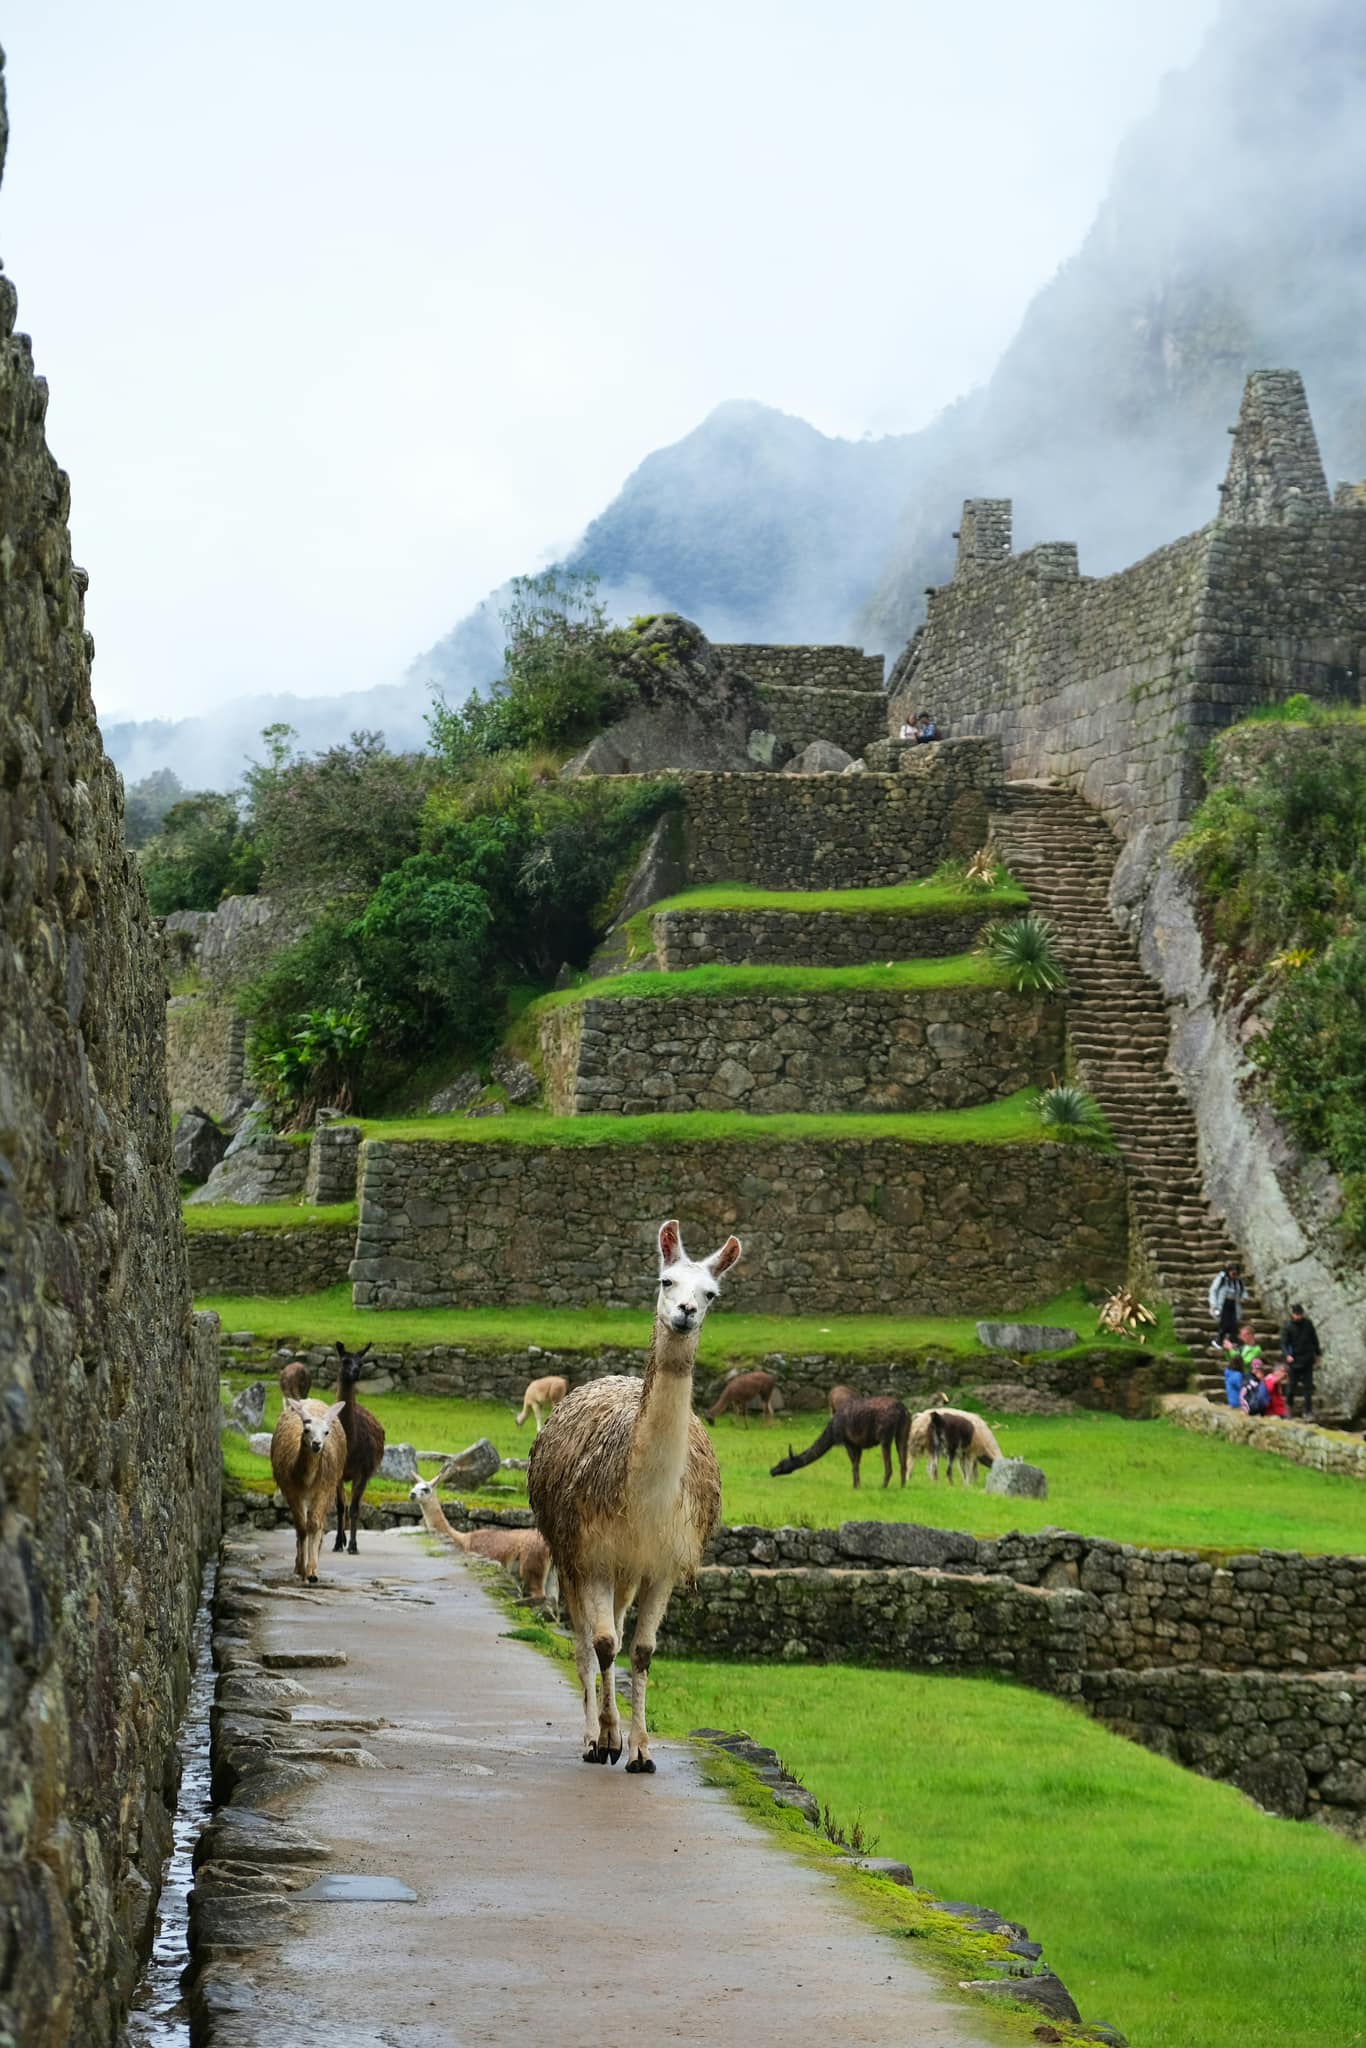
(350, 311)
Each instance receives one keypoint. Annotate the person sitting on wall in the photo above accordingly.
(1234, 1379)
(1275, 1392)
(907, 729)
(926, 729)
(1300, 1350)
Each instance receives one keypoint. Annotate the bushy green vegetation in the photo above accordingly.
(1025, 951)
(1168, 1904)
(1279, 852)
(1068, 1111)
(202, 852)
(728, 1336)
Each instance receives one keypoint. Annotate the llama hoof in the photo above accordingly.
(351, 1550)
(642, 1764)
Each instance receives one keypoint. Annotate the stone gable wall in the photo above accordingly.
(852, 1050)
(805, 667)
(852, 719)
(206, 1057)
(109, 1452)
(847, 1226)
(822, 938)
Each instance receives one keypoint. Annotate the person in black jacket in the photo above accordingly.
(1300, 1349)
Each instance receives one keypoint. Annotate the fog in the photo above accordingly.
(349, 316)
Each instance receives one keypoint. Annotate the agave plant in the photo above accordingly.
(1068, 1111)
(1122, 1313)
(1026, 947)
(983, 868)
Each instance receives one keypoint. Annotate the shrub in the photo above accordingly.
(318, 1065)
(1026, 948)
(333, 824)
(202, 853)
(1068, 1111)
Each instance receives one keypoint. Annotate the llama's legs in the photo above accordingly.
(599, 1623)
(358, 1487)
(340, 1543)
(586, 1664)
(855, 1453)
(301, 1554)
(886, 1462)
(651, 1601)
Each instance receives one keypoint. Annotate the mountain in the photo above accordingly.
(1232, 238)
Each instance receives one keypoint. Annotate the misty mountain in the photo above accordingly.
(1232, 238)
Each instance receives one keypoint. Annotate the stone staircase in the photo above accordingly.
(1063, 853)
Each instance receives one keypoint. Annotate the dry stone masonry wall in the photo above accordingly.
(206, 1057)
(109, 1455)
(281, 1260)
(865, 1224)
(800, 667)
(820, 938)
(850, 1050)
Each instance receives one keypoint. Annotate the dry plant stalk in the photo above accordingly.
(1123, 1312)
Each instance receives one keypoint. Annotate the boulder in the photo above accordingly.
(683, 707)
(470, 1467)
(859, 767)
(1045, 1991)
(822, 757)
(488, 1109)
(661, 870)
(249, 1406)
(262, 1169)
(1014, 1476)
(1017, 1337)
(516, 1079)
(197, 1145)
(457, 1094)
(399, 1462)
(260, 1443)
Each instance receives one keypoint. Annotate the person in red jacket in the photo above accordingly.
(1275, 1389)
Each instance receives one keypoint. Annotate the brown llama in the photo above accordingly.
(626, 1488)
(858, 1424)
(959, 1434)
(364, 1444)
(296, 1381)
(742, 1388)
(838, 1397)
(307, 1453)
(540, 1394)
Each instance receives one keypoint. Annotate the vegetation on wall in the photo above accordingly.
(1278, 848)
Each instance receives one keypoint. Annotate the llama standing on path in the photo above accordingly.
(858, 1424)
(626, 1488)
(307, 1453)
(540, 1394)
(364, 1444)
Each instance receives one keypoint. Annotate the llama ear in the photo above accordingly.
(722, 1261)
(368, 1349)
(291, 1406)
(341, 1348)
(670, 1244)
(337, 1408)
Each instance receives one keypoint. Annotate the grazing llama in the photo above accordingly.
(958, 1433)
(524, 1551)
(364, 1444)
(625, 1485)
(541, 1394)
(742, 1388)
(838, 1396)
(307, 1453)
(858, 1423)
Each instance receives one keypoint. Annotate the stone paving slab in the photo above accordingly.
(555, 1901)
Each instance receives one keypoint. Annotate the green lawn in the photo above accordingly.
(959, 970)
(1012, 1121)
(269, 1216)
(728, 1335)
(1144, 1483)
(1168, 1904)
(906, 899)
(426, 1421)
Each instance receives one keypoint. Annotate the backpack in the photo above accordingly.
(1258, 1399)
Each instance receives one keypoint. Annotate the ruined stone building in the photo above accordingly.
(109, 1455)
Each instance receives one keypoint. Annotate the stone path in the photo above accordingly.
(555, 1902)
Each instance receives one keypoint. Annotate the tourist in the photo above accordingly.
(907, 729)
(1233, 1379)
(926, 729)
(1226, 1293)
(1275, 1392)
(1300, 1350)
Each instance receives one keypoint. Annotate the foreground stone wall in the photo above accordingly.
(299, 1259)
(109, 1457)
(206, 1057)
(851, 1050)
(844, 1226)
(821, 938)
(1300, 1442)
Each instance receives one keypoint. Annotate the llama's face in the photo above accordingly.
(687, 1288)
(351, 1363)
(316, 1428)
(424, 1490)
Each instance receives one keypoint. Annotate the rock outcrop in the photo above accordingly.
(689, 709)
(109, 1458)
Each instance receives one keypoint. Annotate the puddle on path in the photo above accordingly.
(158, 2018)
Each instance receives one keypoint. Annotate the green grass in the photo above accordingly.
(426, 1421)
(727, 1335)
(961, 970)
(1145, 1483)
(907, 899)
(1012, 1121)
(1168, 1904)
(269, 1216)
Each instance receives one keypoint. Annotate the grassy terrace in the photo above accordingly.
(727, 1336)
(907, 899)
(1149, 1887)
(1012, 1121)
(269, 1216)
(1147, 1483)
(961, 970)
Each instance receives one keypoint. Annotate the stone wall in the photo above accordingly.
(849, 1050)
(838, 831)
(277, 1170)
(852, 719)
(805, 668)
(846, 1226)
(109, 1458)
(294, 1259)
(333, 1165)
(227, 943)
(206, 1057)
(822, 938)
(1115, 686)
(1300, 1442)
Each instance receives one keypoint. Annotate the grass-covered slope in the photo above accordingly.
(269, 1216)
(905, 899)
(1168, 1904)
(777, 984)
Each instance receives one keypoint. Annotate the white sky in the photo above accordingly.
(350, 311)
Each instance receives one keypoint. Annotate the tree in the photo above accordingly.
(201, 854)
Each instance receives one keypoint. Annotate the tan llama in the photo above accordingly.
(627, 1491)
(543, 1393)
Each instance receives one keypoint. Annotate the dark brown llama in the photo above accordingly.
(742, 1388)
(858, 1424)
(296, 1381)
(364, 1444)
